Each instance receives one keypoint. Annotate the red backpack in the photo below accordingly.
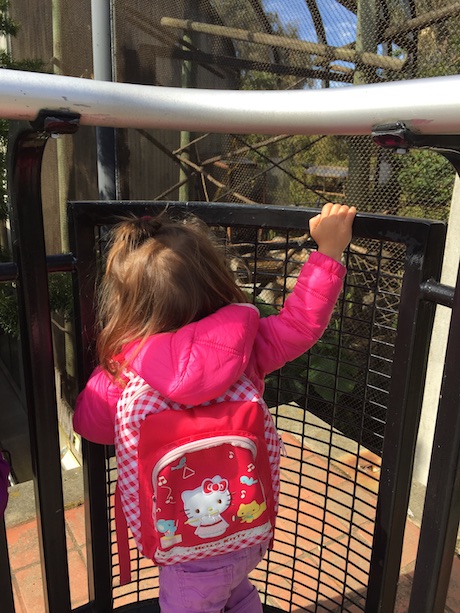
(194, 482)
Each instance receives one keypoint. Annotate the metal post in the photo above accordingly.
(442, 500)
(82, 241)
(187, 81)
(360, 149)
(37, 351)
(62, 151)
(101, 27)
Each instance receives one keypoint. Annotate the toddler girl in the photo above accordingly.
(171, 311)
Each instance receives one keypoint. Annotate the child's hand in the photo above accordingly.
(331, 229)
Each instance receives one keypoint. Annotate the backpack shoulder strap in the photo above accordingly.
(134, 386)
(121, 531)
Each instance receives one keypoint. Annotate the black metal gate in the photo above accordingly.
(357, 394)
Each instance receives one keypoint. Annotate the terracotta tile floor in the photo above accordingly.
(317, 573)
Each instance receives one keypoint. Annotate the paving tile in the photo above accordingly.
(365, 532)
(75, 523)
(453, 596)
(290, 439)
(23, 545)
(309, 592)
(323, 540)
(317, 476)
(30, 587)
(78, 579)
(350, 565)
(403, 593)
(316, 525)
(301, 575)
(349, 606)
(363, 469)
(18, 603)
(410, 545)
(289, 489)
(352, 502)
(282, 553)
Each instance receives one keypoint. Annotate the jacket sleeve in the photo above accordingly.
(201, 360)
(94, 416)
(303, 318)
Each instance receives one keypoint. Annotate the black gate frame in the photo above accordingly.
(421, 291)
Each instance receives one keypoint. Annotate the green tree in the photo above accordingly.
(426, 180)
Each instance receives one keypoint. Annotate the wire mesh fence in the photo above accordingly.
(331, 406)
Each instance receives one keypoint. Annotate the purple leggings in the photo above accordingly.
(213, 585)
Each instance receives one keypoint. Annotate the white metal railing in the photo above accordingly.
(426, 106)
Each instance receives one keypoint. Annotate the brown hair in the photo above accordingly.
(160, 275)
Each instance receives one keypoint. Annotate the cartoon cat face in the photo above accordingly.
(204, 504)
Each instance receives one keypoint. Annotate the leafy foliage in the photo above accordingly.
(60, 296)
(426, 180)
(7, 25)
(9, 310)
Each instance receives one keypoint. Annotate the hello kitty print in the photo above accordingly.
(204, 507)
(196, 510)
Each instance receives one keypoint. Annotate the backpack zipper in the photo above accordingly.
(213, 441)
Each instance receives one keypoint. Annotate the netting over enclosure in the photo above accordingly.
(255, 44)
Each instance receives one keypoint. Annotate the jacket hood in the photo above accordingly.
(200, 361)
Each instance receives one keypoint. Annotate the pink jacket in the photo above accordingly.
(200, 361)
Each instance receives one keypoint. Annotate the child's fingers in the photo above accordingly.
(314, 222)
(341, 210)
(336, 214)
(349, 214)
(327, 208)
(331, 208)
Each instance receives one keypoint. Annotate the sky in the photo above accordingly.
(339, 23)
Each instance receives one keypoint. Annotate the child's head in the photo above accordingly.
(161, 274)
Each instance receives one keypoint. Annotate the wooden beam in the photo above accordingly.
(335, 73)
(330, 53)
(422, 21)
